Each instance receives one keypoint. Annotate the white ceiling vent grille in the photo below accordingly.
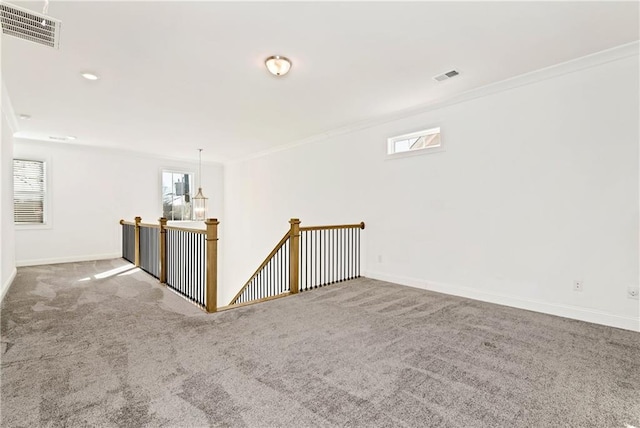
(28, 25)
(446, 76)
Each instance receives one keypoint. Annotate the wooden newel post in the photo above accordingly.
(294, 259)
(137, 240)
(163, 250)
(212, 264)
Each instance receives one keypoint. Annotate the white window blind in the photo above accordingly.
(29, 189)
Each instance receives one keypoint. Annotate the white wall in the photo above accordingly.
(7, 243)
(91, 189)
(7, 237)
(538, 186)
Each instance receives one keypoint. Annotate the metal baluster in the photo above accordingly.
(358, 253)
(338, 232)
(192, 265)
(169, 260)
(347, 253)
(187, 271)
(196, 268)
(281, 272)
(353, 253)
(340, 255)
(350, 234)
(176, 272)
(326, 257)
(344, 254)
(184, 262)
(310, 259)
(321, 245)
(335, 255)
(353, 256)
(201, 273)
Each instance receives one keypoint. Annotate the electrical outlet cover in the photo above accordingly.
(633, 292)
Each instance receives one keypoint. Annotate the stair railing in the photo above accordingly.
(305, 258)
(184, 259)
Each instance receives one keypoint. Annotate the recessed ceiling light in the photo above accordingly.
(278, 65)
(90, 76)
(24, 117)
(62, 137)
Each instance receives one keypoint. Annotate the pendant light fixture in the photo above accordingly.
(199, 201)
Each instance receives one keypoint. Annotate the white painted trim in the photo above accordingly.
(72, 259)
(571, 66)
(7, 284)
(566, 311)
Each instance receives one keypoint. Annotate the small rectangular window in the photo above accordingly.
(29, 192)
(176, 195)
(421, 140)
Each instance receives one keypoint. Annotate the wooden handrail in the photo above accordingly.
(187, 229)
(263, 264)
(130, 223)
(339, 226)
(251, 302)
(152, 226)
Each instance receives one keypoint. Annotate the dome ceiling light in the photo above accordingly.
(278, 65)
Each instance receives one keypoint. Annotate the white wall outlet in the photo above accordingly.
(379, 258)
(633, 292)
(577, 285)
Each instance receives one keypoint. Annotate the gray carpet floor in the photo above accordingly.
(84, 349)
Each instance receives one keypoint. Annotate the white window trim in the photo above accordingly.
(417, 152)
(47, 214)
(175, 170)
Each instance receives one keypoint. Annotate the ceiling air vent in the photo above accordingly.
(446, 76)
(28, 25)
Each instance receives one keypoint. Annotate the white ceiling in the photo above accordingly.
(176, 76)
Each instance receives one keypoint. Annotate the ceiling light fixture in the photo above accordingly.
(89, 76)
(199, 201)
(24, 117)
(62, 138)
(278, 65)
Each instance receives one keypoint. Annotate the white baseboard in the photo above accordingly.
(566, 311)
(37, 262)
(7, 284)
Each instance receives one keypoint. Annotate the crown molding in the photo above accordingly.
(571, 66)
(112, 150)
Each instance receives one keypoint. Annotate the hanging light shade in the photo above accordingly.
(199, 200)
(278, 65)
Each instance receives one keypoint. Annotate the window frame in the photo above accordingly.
(47, 220)
(175, 170)
(391, 141)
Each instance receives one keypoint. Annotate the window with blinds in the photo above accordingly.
(29, 188)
